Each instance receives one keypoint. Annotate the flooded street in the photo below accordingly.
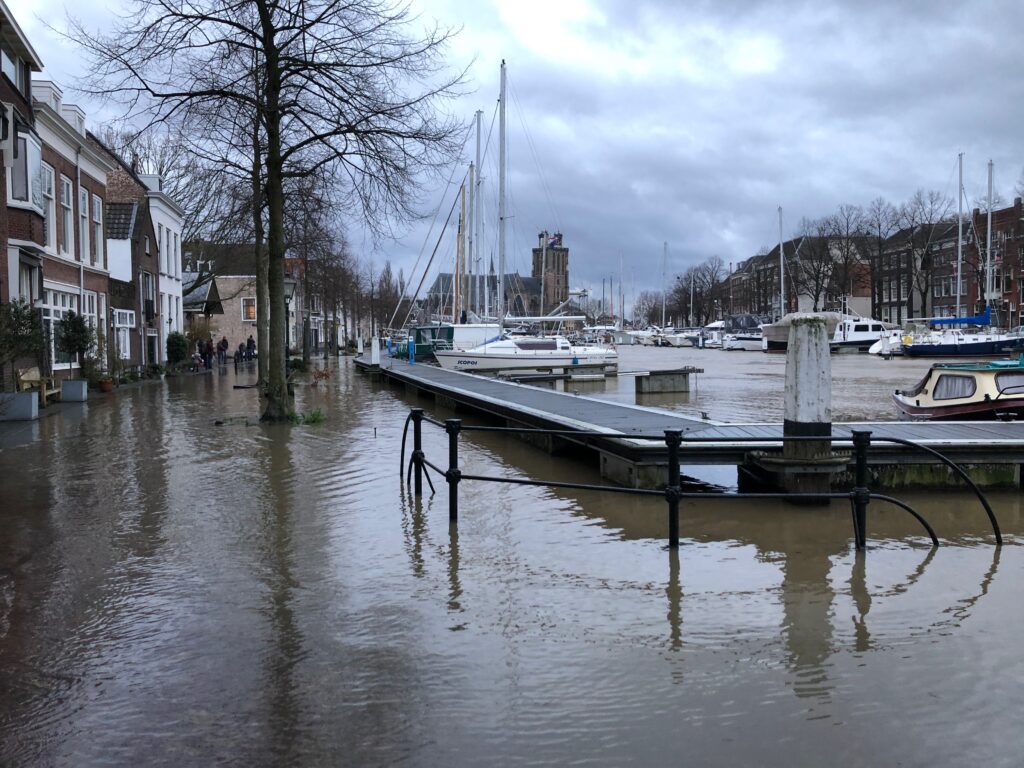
(178, 593)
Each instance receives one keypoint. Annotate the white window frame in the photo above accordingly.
(67, 215)
(83, 224)
(251, 300)
(97, 227)
(177, 256)
(32, 158)
(55, 303)
(48, 180)
(160, 249)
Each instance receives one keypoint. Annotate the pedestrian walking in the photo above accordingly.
(250, 348)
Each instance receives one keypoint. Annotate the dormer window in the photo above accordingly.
(145, 244)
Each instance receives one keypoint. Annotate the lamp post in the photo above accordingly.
(289, 293)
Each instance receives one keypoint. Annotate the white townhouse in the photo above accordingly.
(168, 218)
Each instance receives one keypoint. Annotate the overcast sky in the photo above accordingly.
(638, 122)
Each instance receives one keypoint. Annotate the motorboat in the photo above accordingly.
(531, 353)
(845, 331)
(748, 340)
(966, 391)
(743, 332)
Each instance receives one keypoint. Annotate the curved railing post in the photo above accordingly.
(417, 450)
(860, 494)
(453, 475)
(673, 438)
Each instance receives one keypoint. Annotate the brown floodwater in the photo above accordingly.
(173, 592)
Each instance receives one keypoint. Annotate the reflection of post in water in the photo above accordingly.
(862, 602)
(807, 605)
(674, 593)
(454, 585)
(414, 528)
(287, 640)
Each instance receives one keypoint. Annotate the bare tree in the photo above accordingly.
(919, 216)
(334, 84)
(880, 221)
(846, 235)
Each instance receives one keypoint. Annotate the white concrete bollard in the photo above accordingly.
(359, 345)
(808, 405)
(375, 351)
(808, 409)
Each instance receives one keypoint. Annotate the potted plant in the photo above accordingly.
(21, 339)
(75, 337)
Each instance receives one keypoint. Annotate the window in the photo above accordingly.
(25, 179)
(248, 309)
(67, 219)
(124, 321)
(1010, 383)
(176, 255)
(28, 282)
(97, 228)
(55, 305)
(83, 224)
(49, 209)
(145, 244)
(12, 67)
(952, 387)
(159, 248)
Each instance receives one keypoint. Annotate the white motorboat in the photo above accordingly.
(526, 353)
(749, 340)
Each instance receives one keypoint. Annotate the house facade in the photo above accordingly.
(22, 209)
(168, 218)
(73, 174)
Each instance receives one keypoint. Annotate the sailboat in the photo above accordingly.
(980, 341)
(531, 353)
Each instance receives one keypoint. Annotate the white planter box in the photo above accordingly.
(19, 406)
(74, 391)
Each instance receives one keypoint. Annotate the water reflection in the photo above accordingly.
(177, 593)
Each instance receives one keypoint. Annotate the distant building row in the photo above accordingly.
(909, 274)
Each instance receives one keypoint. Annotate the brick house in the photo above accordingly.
(75, 274)
(136, 271)
(22, 231)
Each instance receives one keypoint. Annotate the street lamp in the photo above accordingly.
(289, 294)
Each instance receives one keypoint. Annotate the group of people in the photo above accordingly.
(207, 348)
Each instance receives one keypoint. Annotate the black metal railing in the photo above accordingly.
(859, 495)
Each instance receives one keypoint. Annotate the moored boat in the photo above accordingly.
(530, 353)
(966, 391)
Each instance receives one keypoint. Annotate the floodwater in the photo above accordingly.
(738, 386)
(178, 593)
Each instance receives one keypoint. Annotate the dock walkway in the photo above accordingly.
(624, 459)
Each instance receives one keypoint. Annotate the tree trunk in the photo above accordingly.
(279, 405)
(262, 294)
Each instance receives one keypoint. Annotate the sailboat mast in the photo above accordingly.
(988, 241)
(543, 266)
(477, 240)
(470, 249)
(691, 298)
(959, 229)
(501, 200)
(782, 270)
(664, 263)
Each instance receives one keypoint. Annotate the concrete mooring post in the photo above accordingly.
(359, 345)
(374, 351)
(805, 466)
(808, 407)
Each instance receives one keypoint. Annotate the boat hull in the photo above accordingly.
(463, 361)
(982, 411)
(964, 349)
